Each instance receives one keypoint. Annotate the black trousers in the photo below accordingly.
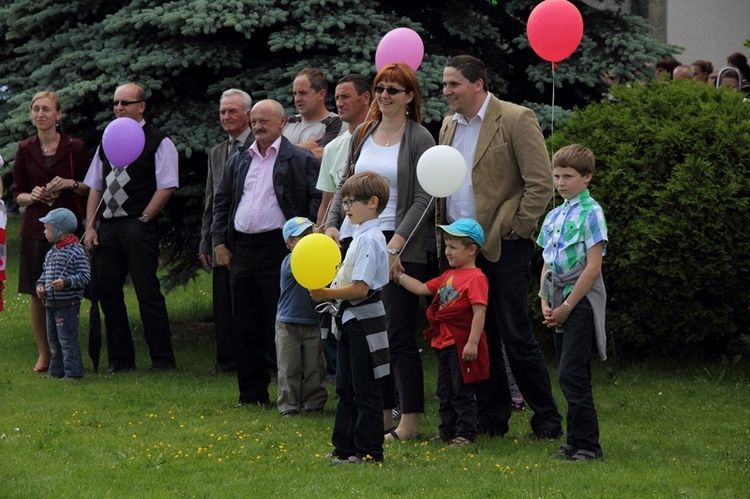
(458, 404)
(574, 346)
(223, 322)
(129, 246)
(508, 322)
(358, 425)
(406, 380)
(254, 279)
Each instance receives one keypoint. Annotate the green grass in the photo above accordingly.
(674, 430)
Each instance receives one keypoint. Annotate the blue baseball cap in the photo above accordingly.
(61, 219)
(295, 226)
(465, 227)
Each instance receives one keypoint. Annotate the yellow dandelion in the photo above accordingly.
(135, 436)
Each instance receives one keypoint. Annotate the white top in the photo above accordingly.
(366, 260)
(383, 161)
(461, 203)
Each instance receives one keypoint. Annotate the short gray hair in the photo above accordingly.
(247, 101)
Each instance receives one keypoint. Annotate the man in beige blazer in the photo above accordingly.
(507, 188)
(234, 115)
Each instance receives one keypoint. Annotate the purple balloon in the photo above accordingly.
(400, 45)
(123, 141)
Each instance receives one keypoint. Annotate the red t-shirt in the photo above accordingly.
(460, 288)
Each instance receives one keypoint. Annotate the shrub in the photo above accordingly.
(673, 178)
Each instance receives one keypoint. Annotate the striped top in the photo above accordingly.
(70, 264)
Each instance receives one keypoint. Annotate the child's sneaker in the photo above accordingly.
(586, 455)
(565, 452)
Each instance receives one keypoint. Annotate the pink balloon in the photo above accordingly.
(400, 45)
(555, 29)
(123, 141)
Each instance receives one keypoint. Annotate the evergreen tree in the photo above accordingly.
(186, 52)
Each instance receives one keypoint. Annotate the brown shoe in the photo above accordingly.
(459, 442)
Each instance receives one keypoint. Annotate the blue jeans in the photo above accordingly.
(358, 426)
(62, 335)
(508, 320)
(573, 348)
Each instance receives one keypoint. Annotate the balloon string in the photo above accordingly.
(88, 226)
(325, 215)
(414, 230)
(552, 131)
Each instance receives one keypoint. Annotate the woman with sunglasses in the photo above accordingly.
(390, 143)
(48, 171)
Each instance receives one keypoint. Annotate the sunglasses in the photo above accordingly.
(391, 91)
(348, 202)
(125, 102)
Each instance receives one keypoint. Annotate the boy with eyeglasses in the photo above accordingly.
(363, 358)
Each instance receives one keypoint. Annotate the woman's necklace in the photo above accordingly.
(387, 140)
(52, 146)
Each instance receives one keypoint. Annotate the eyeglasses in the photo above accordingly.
(348, 202)
(125, 102)
(391, 90)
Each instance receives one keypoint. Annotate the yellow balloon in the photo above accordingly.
(315, 260)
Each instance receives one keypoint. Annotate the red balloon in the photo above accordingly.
(555, 29)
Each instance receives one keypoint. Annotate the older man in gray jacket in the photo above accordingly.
(234, 114)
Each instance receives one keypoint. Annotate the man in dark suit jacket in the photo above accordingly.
(234, 114)
(260, 189)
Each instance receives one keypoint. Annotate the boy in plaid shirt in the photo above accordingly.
(574, 238)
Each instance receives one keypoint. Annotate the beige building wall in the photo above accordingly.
(708, 29)
(705, 29)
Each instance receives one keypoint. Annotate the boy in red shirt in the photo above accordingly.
(456, 318)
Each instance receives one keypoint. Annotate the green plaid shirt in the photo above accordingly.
(569, 230)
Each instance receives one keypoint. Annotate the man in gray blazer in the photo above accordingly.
(234, 114)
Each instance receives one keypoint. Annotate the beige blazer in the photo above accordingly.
(511, 174)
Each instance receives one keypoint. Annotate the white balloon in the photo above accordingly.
(441, 170)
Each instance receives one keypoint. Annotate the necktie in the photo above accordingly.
(232, 147)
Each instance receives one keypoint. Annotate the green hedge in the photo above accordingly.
(673, 177)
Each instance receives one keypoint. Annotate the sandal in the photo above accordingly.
(391, 435)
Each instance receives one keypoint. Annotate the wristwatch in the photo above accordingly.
(513, 235)
(75, 185)
(144, 218)
(393, 251)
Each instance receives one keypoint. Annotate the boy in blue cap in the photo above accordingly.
(574, 238)
(456, 318)
(299, 351)
(64, 275)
